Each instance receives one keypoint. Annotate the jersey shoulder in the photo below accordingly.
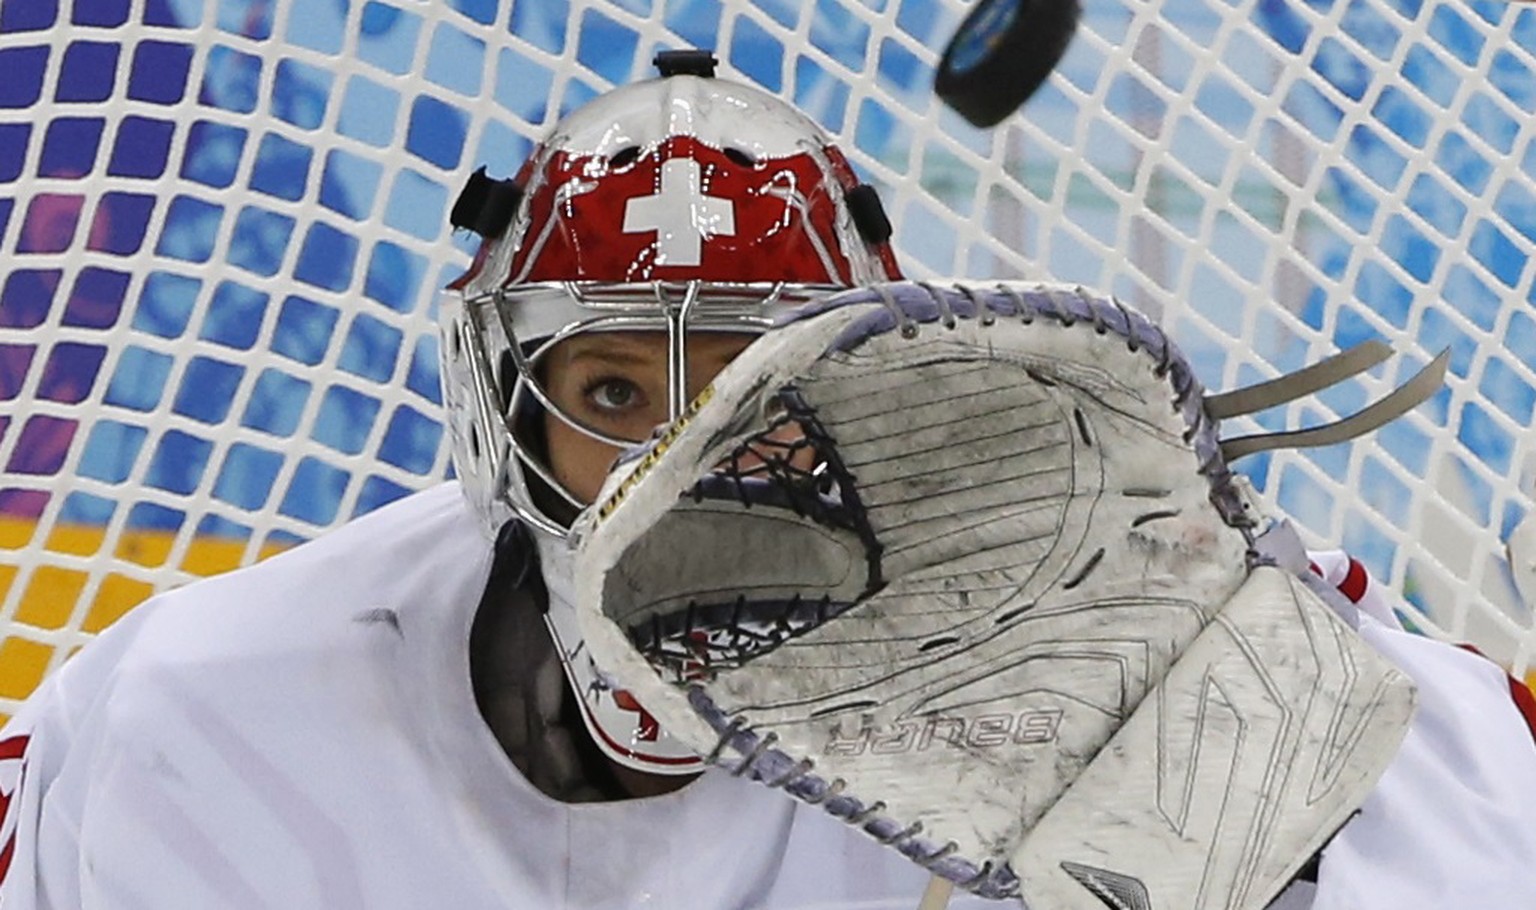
(425, 550)
(1450, 814)
(420, 562)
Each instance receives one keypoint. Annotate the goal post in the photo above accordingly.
(222, 224)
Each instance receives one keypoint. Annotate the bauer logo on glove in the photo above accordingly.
(966, 567)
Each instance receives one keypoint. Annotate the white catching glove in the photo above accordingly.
(965, 567)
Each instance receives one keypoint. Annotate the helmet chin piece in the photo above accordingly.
(622, 728)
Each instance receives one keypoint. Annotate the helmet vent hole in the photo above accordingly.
(624, 157)
(474, 442)
(738, 156)
(506, 378)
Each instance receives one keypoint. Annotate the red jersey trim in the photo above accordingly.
(13, 749)
(1519, 692)
(1355, 581)
(1525, 701)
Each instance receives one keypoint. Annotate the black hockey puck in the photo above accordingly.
(1001, 53)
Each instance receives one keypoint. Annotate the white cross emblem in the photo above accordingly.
(680, 214)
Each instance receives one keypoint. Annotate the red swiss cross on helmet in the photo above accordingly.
(689, 178)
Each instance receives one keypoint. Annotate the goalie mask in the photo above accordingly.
(676, 205)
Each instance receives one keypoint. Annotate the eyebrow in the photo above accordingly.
(621, 352)
(612, 355)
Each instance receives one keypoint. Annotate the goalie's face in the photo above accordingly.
(618, 384)
(598, 388)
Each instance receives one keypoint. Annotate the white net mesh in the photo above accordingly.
(221, 223)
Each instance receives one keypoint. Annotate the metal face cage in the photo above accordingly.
(494, 344)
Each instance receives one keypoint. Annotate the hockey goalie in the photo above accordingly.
(773, 580)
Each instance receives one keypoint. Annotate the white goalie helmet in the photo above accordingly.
(679, 204)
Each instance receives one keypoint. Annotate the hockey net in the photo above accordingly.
(222, 223)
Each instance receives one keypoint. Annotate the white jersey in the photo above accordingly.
(303, 734)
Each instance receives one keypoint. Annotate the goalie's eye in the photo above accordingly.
(613, 394)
